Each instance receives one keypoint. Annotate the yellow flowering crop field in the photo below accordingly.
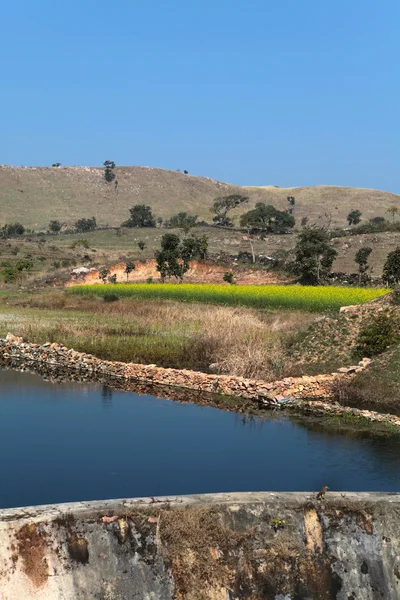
(311, 298)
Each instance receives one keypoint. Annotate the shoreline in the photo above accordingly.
(307, 395)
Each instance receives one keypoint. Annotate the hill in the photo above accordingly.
(35, 195)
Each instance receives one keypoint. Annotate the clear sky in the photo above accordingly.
(283, 92)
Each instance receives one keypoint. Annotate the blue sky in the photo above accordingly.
(289, 92)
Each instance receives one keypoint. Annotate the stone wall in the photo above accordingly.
(274, 393)
(258, 546)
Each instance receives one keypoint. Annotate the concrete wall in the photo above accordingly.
(219, 547)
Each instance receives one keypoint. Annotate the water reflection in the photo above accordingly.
(58, 443)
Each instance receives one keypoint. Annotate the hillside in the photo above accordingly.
(35, 195)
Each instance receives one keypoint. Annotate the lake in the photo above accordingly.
(77, 441)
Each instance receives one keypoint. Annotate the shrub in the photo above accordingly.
(84, 225)
(229, 277)
(10, 274)
(110, 297)
(376, 336)
(141, 216)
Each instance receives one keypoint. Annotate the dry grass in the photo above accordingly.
(238, 341)
(34, 196)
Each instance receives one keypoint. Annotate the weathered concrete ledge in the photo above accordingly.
(259, 546)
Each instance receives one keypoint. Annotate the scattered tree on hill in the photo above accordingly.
(55, 226)
(159, 221)
(12, 229)
(223, 205)
(314, 255)
(112, 278)
(361, 258)
(354, 217)
(174, 256)
(141, 216)
(142, 245)
(182, 221)
(194, 246)
(304, 221)
(391, 268)
(57, 164)
(292, 201)
(392, 210)
(265, 218)
(84, 225)
(129, 267)
(103, 274)
(378, 221)
(109, 166)
(186, 172)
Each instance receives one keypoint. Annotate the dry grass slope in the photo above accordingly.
(35, 195)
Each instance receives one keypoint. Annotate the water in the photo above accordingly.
(72, 442)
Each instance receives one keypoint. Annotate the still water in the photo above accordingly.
(71, 441)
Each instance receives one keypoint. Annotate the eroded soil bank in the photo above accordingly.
(223, 546)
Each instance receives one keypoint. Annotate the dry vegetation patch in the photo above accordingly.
(234, 340)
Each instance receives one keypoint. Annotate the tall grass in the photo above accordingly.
(235, 340)
(275, 296)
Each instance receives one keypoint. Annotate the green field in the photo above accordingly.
(308, 298)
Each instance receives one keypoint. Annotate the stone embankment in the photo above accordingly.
(314, 394)
(277, 546)
(277, 392)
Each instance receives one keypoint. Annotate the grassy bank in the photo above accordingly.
(236, 340)
(378, 388)
(297, 297)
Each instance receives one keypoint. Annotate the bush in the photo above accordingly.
(110, 297)
(84, 225)
(377, 336)
(10, 274)
(229, 277)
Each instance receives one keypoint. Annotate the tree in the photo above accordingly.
(109, 166)
(55, 226)
(57, 164)
(84, 225)
(378, 221)
(141, 216)
(223, 205)
(393, 210)
(11, 229)
(112, 278)
(159, 221)
(361, 258)
(142, 245)
(314, 255)
(391, 268)
(103, 274)
(194, 247)
(354, 217)
(173, 259)
(186, 172)
(129, 267)
(265, 218)
(182, 220)
(292, 201)
(169, 259)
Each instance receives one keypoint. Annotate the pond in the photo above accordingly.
(77, 441)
